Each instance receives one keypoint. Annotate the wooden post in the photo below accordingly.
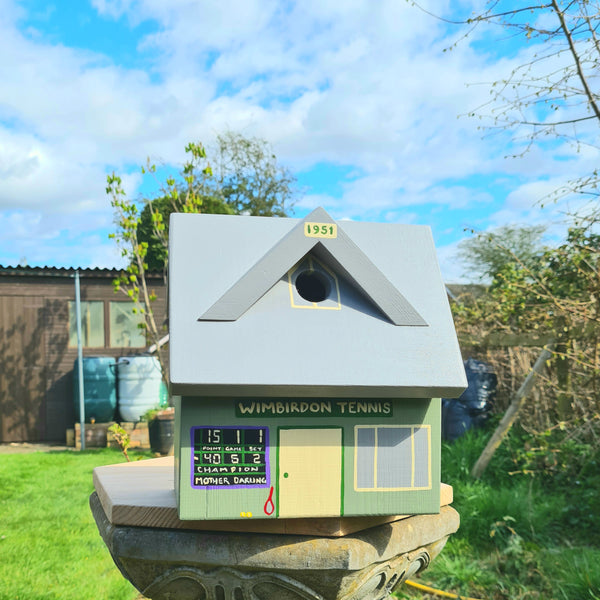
(511, 413)
(80, 360)
(562, 372)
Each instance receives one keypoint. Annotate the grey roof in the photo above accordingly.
(347, 257)
(237, 327)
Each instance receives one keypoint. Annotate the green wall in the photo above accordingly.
(383, 420)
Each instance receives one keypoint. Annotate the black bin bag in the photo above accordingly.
(473, 408)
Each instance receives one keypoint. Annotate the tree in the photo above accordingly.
(248, 180)
(552, 296)
(487, 254)
(552, 98)
(536, 287)
(245, 178)
(157, 254)
(554, 93)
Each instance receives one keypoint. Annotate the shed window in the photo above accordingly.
(92, 324)
(125, 331)
(392, 458)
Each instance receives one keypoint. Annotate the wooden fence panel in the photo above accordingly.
(22, 368)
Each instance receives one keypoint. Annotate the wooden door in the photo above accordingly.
(22, 359)
(310, 472)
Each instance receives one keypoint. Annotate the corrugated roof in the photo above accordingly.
(98, 272)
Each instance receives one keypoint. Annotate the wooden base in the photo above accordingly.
(142, 494)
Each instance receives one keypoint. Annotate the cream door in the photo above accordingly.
(310, 472)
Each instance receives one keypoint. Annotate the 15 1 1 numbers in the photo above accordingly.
(233, 436)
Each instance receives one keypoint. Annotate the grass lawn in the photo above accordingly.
(523, 536)
(49, 546)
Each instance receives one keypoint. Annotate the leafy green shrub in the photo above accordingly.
(540, 491)
(523, 533)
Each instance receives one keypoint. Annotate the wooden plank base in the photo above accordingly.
(142, 494)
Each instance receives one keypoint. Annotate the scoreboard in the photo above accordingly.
(230, 457)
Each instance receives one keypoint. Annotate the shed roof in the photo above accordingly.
(236, 329)
(66, 272)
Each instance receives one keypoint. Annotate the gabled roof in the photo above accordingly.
(339, 251)
(241, 327)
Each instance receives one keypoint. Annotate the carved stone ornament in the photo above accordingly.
(189, 583)
(168, 564)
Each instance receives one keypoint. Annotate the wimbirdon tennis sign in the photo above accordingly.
(317, 408)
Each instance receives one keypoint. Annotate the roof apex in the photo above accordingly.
(312, 233)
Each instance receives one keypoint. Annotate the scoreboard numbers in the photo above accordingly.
(230, 457)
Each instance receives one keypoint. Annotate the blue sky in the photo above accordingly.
(357, 98)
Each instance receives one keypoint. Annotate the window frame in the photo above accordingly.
(143, 333)
(106, 329)
(71, 309)
(413, 428)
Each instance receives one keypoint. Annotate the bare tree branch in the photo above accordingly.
(576, 59)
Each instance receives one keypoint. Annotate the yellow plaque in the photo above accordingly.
(320, 230)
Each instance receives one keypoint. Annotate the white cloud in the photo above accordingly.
(41, 239)
(357, 83)
(453, 271)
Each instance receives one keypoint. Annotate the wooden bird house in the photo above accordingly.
(308, 358)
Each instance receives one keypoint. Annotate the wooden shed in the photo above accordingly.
(309, 358)
(38, 345)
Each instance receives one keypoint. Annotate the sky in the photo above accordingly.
(360, 100)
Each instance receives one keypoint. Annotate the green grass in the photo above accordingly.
(49, 546)
(522, 537)
(534, 534)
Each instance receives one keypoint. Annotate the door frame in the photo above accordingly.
(342, 460)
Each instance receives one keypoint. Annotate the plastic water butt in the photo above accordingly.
(99, 388)
(140, 386)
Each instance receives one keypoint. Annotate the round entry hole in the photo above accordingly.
(312, 286)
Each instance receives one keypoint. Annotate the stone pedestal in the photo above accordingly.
(174, 563)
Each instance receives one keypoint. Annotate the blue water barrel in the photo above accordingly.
(141, 387)
(99, 388)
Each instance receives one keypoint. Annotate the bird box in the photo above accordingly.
(308, 358)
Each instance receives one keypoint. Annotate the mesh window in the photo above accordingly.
(365, 458)
(421, 442)
(392, 458)
(92, 324)
(124, 330)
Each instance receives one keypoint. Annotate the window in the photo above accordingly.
(124, 329)
(392, 457)
(92, 324)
